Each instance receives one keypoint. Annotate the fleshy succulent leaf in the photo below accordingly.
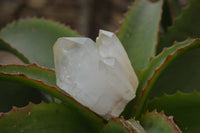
(157, 72)
(6, 47)
(43, 117)
(14, 94)
(134, 125)
(19, 94)
(185, 108)
(142, 21)
(186, 25)
(35, 38)
(123, 126)
(29, 76)
(114, 127)
(155, 122)
(32, 71)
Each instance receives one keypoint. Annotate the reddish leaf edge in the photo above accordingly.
(51, 90)
(168, 118)
(29, 65)
(141, 104)
(34, 18)
(177, 92)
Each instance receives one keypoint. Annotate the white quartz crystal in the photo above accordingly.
(98, 75)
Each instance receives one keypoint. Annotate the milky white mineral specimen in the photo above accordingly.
(98, 75)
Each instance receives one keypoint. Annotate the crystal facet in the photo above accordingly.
(98, 75)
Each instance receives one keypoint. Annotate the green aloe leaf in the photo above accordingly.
(43, 80)
(184, 107)
(123, 126)
(35, 38)
(186, 25)
(170, 70)
(114, 127)
(15, 94)
(6, 47)
(142, 21)
(43, 118)
(32, 71)
(155, 122)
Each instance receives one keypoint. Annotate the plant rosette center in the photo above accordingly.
(97, 74)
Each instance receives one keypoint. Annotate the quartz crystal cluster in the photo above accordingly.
(97, 74)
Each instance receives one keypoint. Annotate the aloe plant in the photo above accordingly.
(166, 64)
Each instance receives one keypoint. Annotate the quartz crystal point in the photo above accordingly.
(98, 75)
